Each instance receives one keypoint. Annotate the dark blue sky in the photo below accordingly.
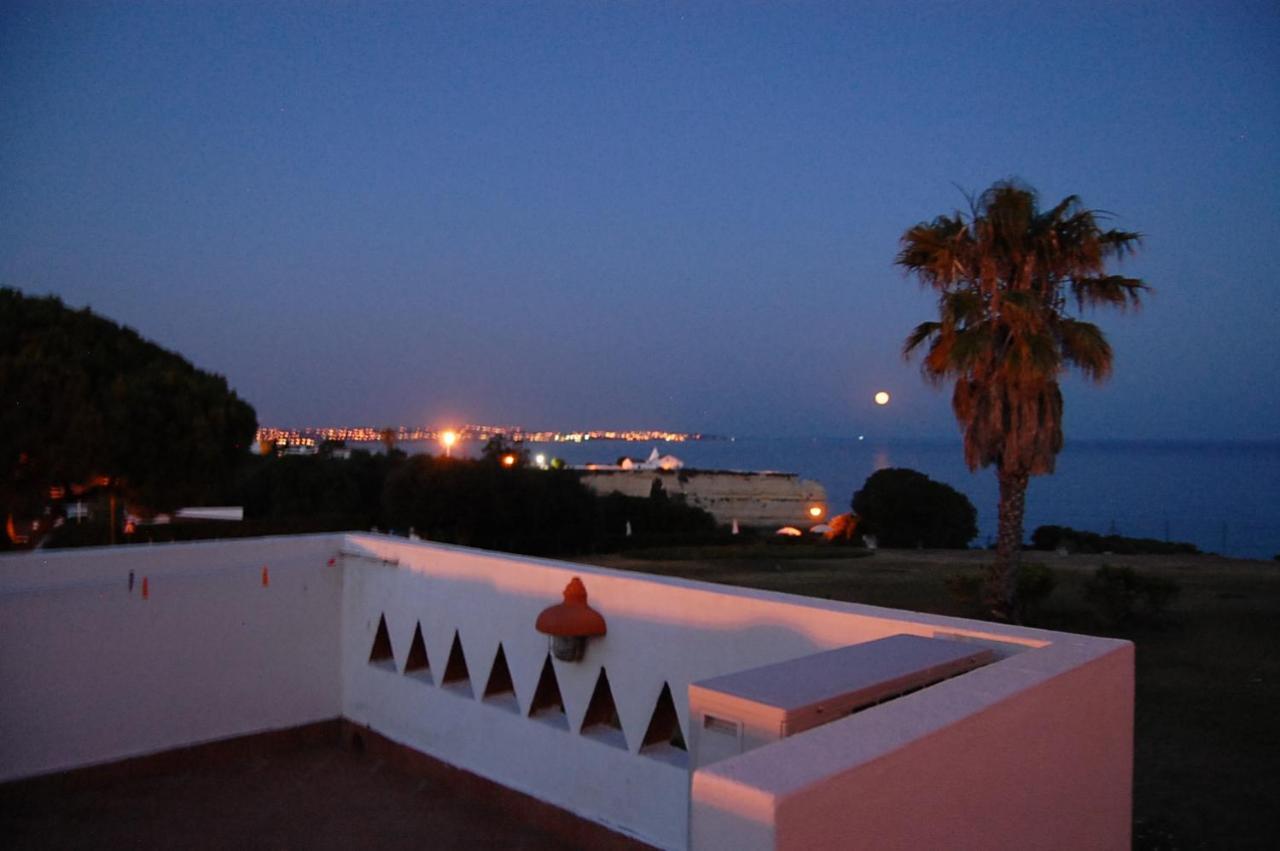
(650, 215)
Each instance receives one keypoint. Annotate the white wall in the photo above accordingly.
(660, 631)
(1034, 752)
(92, 673)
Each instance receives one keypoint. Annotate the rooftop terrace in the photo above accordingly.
(304, 788)
(428, 654)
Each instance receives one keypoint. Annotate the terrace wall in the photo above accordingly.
(91, 672)
(662, 631)
(1033, 752)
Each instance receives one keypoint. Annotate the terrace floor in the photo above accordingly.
(305, 792)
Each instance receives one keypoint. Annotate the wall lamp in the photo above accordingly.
(571, 623)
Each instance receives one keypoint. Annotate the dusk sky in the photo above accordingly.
(592, 215)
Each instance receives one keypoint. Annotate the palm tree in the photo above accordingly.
(1008, 276)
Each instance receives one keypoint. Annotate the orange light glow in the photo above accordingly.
(815, 511)
(448, 438)
(508, 460)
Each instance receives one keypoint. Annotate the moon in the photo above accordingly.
(882, 398)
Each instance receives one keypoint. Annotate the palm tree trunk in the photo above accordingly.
(1002, 578)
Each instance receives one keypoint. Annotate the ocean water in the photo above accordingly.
(1222, 497)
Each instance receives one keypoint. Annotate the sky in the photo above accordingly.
(648, 215)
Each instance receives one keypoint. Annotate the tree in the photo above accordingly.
(503, 452)
(904, 508)
(1008, 276)
(88, 401)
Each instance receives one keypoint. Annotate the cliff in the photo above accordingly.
(753, 499)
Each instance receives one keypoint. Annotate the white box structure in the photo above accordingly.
(737, 712)
(434, 647)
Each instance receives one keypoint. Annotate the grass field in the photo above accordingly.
(1207, 749)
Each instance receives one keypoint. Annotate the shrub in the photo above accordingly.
(1035, 583)
(966, 590)
(1117, 593)
(1076, 541)
(905, 508)
(526, 510)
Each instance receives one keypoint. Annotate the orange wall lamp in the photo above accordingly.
(571, 623)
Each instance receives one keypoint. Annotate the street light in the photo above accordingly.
(449, 438)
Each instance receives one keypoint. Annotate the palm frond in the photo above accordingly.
(1119, 243)
(1108, 290)
(918, 335)
(1085, 347)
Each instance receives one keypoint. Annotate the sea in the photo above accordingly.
(1222, 497)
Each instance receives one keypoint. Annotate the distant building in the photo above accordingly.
(653, 462)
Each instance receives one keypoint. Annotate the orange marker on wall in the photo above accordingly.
(146, 589)
(266, 577)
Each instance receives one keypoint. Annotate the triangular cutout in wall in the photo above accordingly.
(664, 738)
(417, 665)
(548, 705)
(380, 656)
(601, 720)
(500, 689)
(456, 675)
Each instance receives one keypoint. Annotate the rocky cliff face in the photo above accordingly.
(753, 499)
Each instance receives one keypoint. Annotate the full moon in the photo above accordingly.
(882, 398)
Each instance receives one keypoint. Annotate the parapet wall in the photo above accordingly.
(92, 672)
(1033, 752)
(434, 647)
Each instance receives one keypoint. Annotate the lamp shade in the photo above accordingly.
(572, 618)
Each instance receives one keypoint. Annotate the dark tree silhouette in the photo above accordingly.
(88, 401)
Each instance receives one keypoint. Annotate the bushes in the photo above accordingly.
(1035, 583)
(1052, 537)
(527, 510)
(481, 504)
(904, 508)
(1116, 593)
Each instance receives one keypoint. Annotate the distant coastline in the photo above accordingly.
(1218, 494)
(372, 434)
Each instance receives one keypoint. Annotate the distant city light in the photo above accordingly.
(402, 434)
(882, 398)
(448, 438)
